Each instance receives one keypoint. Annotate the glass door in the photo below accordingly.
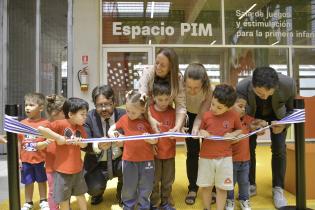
(122, 68)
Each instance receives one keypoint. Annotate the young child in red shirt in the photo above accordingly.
(138, 156)
(166, 147)
(32, 153)
(241, 158)
(68, 165)
(215, 163)
(54, 104)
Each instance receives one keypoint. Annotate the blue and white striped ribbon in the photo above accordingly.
(14, 126)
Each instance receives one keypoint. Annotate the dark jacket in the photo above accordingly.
(282, 99)
(94, 129)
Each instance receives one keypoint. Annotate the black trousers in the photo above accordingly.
(278, 159)
(193, 149)
(97, 178)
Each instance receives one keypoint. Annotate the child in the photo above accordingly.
(138, 158)
(198, 99)
(32, 155)
(54, 104)
(166, 68)
(215, 163)
(166, 147)
(68, 177)
(241, 158)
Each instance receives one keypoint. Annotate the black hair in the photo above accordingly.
(104, 90)
(73, 105)
(225, 94)
(161, 87)
(265, 77)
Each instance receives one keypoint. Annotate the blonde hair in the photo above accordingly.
(54, 103)
(173, 77)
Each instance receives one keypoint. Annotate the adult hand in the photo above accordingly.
(2, 139)
(175, 129)
(276, 129)
(154, 124)
(203, 133)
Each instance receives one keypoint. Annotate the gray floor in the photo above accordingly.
(3, 178)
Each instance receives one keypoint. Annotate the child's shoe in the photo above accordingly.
(245, 205)
(44, 205)
(229, 205)
(27, 206)
(167, 206)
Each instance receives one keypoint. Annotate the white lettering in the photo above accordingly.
(184, 27)
(169, 31)
(205, 31)
(116, 28)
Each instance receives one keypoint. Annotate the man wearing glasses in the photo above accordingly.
(102, 161)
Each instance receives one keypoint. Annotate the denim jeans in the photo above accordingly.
(240, 175)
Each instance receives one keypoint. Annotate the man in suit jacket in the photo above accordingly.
(95, 161)
(269, 96)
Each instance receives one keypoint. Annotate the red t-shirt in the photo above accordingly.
(166, 146)
(67, 157)
(138, 150)
(240, 149)
(219, 125)
(28, 151)
(50, 157)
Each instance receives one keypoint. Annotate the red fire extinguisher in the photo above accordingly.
(83, 77)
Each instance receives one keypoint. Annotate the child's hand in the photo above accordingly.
(104, 145)
(204, 133)
(114, 134)
(150, 141)
(118, 143)
(229, 135)
(75, 141)
(20, 164)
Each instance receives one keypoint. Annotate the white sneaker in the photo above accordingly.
(252, 190)
(44, 205)
(229, 205)
(27, 206)
(245, 205)
(278, 198)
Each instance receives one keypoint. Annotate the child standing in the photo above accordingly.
(166, 147)
(32, 155)
(54, 104)
(138, 158)
(215, 163)
(241, 158)
(68, 165)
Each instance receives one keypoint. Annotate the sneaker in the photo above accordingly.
(229, 205)
(245, 205)
(44, 205)
(278, 198)
(27, 206)
(167, 206)
(252, 191)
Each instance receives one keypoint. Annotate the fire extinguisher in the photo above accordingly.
(83, 78)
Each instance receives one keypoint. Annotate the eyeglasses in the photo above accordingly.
(105, 106)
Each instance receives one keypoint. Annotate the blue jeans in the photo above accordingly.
(240, 175)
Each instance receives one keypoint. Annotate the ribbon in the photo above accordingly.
(14, 126)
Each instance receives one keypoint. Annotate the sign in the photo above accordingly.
(85, 59)
(192, 29)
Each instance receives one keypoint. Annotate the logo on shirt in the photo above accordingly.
(227, 181)
(149, 166)
(226, 124)
(29, 144)
(68, 133)
(140, 127)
